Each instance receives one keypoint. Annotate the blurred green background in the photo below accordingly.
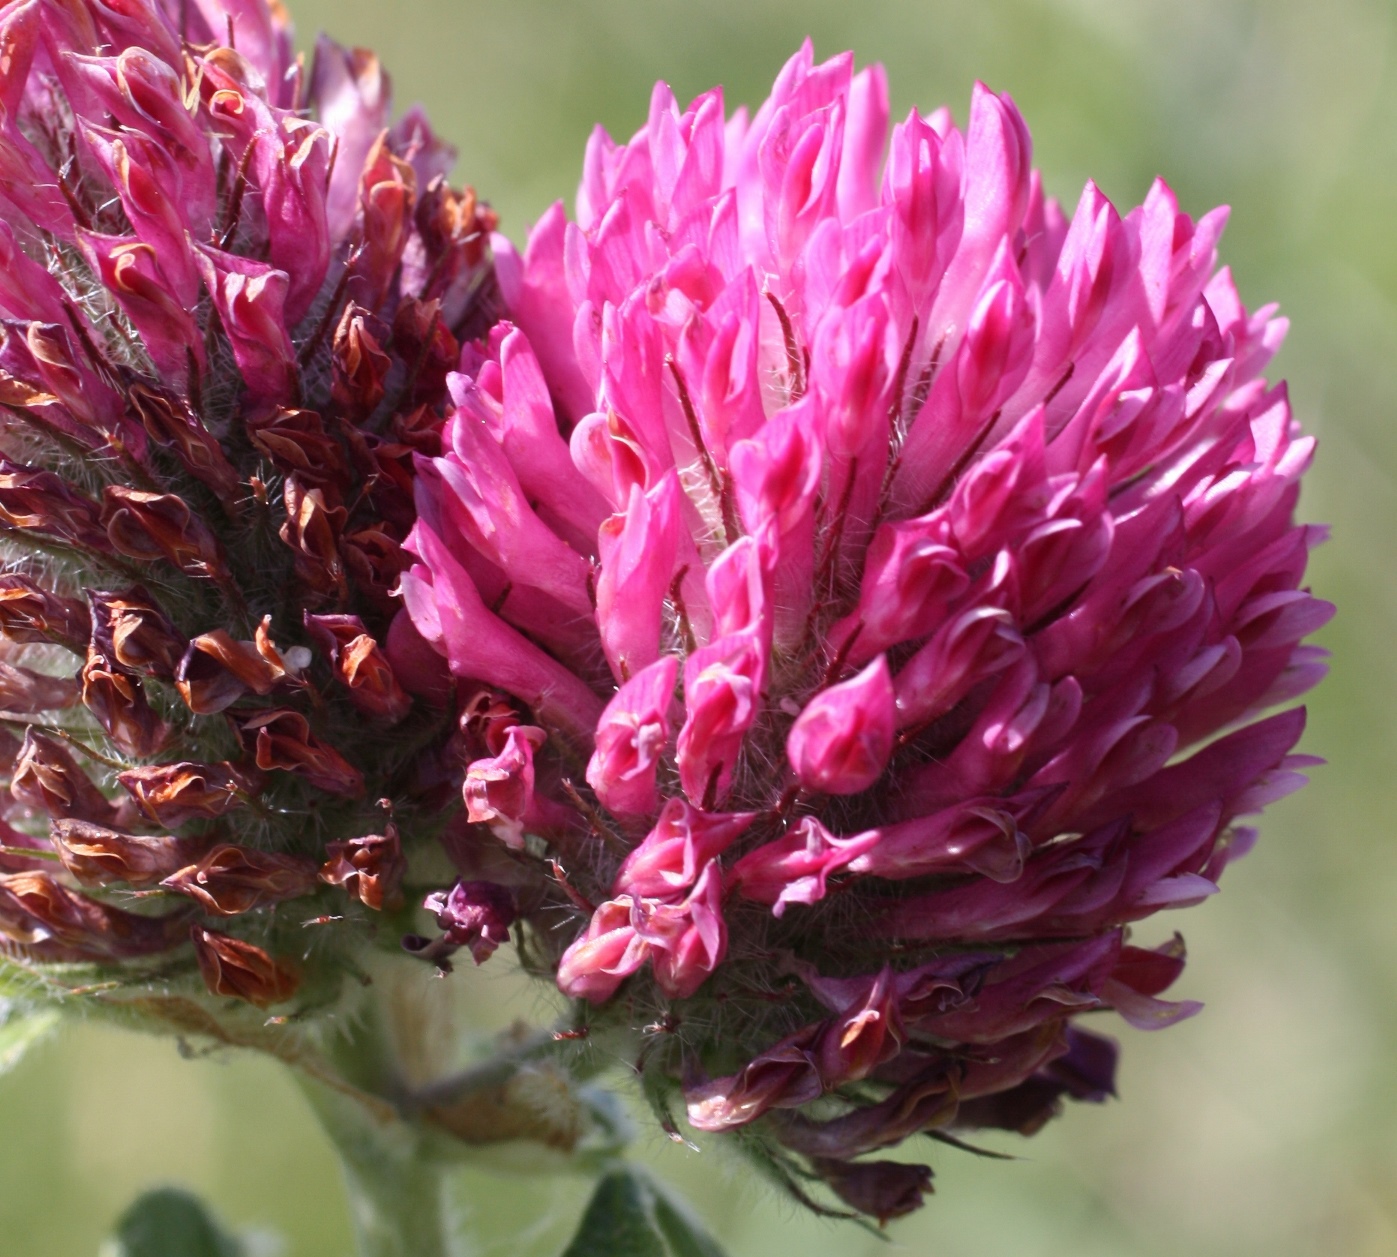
(1267, 1125)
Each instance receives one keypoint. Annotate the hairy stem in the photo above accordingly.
(397, 1192)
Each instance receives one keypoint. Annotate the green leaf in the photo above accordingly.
(168, 1222)
(619, 1221)
(686, 1235)
(631, 1215)
(21, 1027)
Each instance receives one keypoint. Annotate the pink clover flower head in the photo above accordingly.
(893, 548)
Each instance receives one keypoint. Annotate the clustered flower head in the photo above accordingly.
(865, 585)
(230, 297)
(839, 599)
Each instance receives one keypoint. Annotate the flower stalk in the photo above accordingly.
(398, 1199)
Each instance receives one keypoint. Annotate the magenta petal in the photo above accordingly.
(483, 498)
(632, 736)
(27, 290)
(637, 550)
(604, 955)
(441, 597)
(499, 791)
(261, 33)
(688, 941)
(722, 694)
(351, 94)
(251, 299)
(417, 665)
(865, 132)
(796, 868)
(294, 198)
(529, 437)
(683, 842)
(151, 188)
(131, 272)
(842, 741)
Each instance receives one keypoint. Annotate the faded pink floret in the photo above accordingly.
(607, 952)
(962, 527)
(474, 915)
(499, 790)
